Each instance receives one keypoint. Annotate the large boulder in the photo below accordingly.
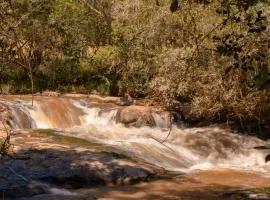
(137, 116)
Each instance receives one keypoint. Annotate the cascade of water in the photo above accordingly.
(162, 120)
(185, 149)
(97, 116)
(21, 116)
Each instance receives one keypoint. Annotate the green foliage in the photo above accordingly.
(212, 55)
(49, 42)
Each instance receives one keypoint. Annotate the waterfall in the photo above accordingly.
(184, 150)
(162, 120)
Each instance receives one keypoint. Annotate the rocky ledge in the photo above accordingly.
(44, 160)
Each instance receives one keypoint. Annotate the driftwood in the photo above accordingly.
(168, 135)
(163, 144)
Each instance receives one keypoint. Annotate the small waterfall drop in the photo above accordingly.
(184, 150)
(97, 116)
(162, 120)
(21, 116)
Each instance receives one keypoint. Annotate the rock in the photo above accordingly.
(122, 176)
(94, 92)
(65, 165)
(5, 118)
(27, 190)
(121, 101)
(75, 95)
(50, 94)
(262, 147)
(61, 196)
(127, 100)
(75, 181)
(107, 99)
(267, 158)
(115, 100)
(96, 98)
(247, 195)
(137, 116)
(258, 197)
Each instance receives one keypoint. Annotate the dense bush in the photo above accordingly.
(209, 56)
(213, 57)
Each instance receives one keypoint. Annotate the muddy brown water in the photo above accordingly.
(214, 160)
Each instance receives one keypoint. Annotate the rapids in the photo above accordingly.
(186, 149)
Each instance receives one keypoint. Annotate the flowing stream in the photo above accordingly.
(186, 149)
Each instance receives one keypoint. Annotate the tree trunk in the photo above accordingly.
(1, 75)
(1, 82)
(32, 82)
(32, 88)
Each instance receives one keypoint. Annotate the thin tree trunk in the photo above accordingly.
(32, 82)
(1, 83)
(32, 88)
(1, 76)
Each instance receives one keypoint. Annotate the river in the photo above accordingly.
(210, 155)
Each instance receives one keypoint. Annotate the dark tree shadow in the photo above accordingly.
(68, 169)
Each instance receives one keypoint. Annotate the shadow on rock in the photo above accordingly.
(67, 169)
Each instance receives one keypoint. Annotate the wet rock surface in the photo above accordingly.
(41, 162)
(136, 116)
(246, 195)
(50, 94)
(5, 114)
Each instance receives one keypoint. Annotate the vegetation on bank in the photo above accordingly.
(208, 59)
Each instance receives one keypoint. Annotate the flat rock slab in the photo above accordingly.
(67, 163)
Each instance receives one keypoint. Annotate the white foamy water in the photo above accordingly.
(97, 116)
(184, 150)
